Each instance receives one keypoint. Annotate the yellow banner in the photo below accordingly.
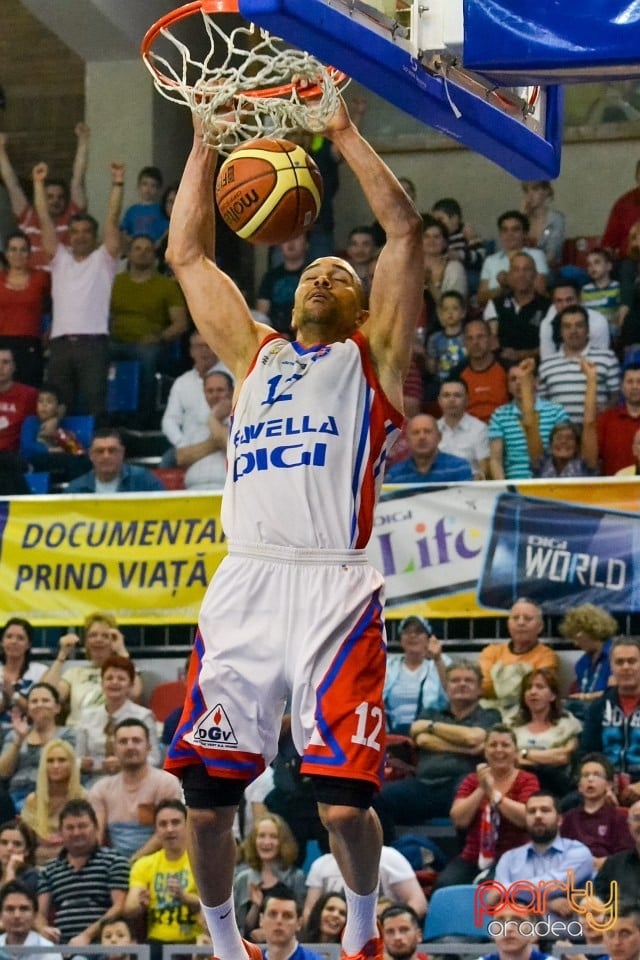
(145, 558)
(460, 551)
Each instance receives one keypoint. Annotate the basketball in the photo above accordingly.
(269, 191)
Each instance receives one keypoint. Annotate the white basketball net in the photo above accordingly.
(221, 98)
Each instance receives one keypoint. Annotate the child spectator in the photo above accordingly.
(147, 216)
(116, 932)
(464, 245)
(602, 293)
(598, 822)
(47, 444)
(445, 348)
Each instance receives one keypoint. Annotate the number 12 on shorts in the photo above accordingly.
(367, 716)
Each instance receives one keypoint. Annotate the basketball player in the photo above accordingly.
(295, 609)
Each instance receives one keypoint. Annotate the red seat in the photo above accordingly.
(171, 477)
(576, 249)
(167, 697)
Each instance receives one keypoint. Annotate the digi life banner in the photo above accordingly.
(454, 551)
(471, 550)
(146, 558)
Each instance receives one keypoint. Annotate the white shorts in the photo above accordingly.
(278, 622)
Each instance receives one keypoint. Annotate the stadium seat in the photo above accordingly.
(167, 697)
(123, 386)
(83, 425)
(38, 482)
(451, 914)
(171, 477)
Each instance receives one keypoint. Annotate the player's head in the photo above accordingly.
(329, 299)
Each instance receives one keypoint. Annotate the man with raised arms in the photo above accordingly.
(295, 609)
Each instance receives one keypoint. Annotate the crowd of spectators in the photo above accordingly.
(521, 368)
(71, 304)
(536, 775)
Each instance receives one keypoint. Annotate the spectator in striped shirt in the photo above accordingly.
(561, 379)
(508, 452)
(85, 884)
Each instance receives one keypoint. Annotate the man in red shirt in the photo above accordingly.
(622, 236)
(618, 425)
(17, 401)
(63, 201)
(485, 378)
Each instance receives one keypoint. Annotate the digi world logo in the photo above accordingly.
(585, 912)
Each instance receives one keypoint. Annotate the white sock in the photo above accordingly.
(225, 936)
(361, 920)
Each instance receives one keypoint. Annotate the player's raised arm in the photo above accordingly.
(216, 304)
(396, 290)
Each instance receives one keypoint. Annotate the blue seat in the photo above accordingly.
(451, 914)
(38, 482)
(83, 425)
(123, 386)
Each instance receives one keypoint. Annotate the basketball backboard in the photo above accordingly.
(525, 42)
(411, 54)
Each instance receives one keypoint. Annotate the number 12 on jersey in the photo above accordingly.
(367, 717)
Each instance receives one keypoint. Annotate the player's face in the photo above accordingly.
(328, 301)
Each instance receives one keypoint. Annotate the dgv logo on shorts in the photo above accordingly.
(215, 730)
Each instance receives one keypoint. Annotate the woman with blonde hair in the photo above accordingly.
(81, 686)
(57, 782)
(590, 629)
(269, 856)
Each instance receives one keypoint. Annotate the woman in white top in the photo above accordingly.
(546, 735)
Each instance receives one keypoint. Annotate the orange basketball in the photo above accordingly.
(269, 191)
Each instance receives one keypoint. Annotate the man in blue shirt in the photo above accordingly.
(110, 473)
(280, 923)
(547, 856)
(427, 464)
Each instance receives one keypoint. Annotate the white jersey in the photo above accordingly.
(309, 437)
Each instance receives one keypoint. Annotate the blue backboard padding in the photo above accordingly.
(576, 39)
(388, 70)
